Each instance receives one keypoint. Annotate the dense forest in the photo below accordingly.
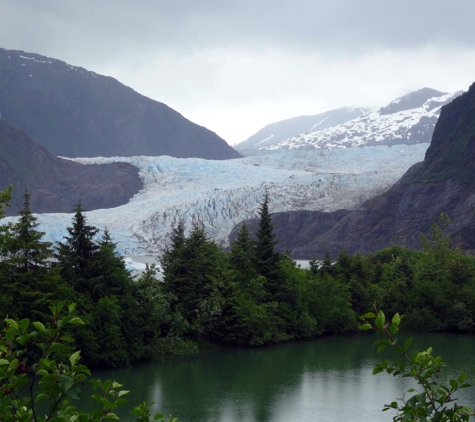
(249, 296)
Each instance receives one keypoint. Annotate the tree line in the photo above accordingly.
(249, 296)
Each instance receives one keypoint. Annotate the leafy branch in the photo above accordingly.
(32, 370)
(434, 400)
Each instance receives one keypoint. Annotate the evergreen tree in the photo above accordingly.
(77, 254)
(110, 274)
(5, 197)
(28, 277)
(242, 256)
(266, 258)
(195, 274)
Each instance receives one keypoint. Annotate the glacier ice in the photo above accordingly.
(219, 194)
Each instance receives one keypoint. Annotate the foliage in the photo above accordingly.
(434, 400)
(76, 255)
(28, 278)
(31, 375)
(249, 296)
(5, 198)
(266, 258)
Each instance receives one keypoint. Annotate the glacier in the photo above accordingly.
(220, 194)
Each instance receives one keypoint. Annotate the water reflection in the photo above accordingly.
(327, 379)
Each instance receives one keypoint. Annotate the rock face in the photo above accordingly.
(77, 113)
(443, 182)
(407, 120)
(55, 184)
(278, 131)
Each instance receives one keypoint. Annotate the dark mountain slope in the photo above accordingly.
(443, 182)
(77, 113)
(56, 185)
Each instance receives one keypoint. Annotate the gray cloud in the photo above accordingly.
(352, 26)
(251, 58)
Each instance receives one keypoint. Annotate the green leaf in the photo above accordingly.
(111, 417)
(11, 322)
(56, 347)
(453, 384)
(23, 339)
(380, 320)
(396, 319)
(123, 393)
(76, 321)
(369, 315)
(75, 392)
(408, 343)
(24, 323)
(103, 401)
(74, 358)
(4, 362)
(106, 385)
(71, 307)
(13, 365)
(381, 348)
(462, 377)
(39, 326)
(59, 306)
(394, 328)
(116, 385)
(65, 382)
(40, 397)
(365, 327)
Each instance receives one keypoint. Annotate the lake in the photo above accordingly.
(326, 379)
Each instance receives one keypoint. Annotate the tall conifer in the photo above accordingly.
(267, 259)
(76, 255)
(242, 255)
(28, 275)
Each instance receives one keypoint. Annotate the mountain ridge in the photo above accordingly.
(409, 120)
(283, 129)
(77, 113)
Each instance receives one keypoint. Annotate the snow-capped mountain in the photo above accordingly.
(407, 120)
(222, 193)
(284, 129)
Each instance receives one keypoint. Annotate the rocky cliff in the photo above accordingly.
(56, 185)
(77, 113)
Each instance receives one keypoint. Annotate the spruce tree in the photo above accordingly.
(110, 274)
(27, 273)
(242, 256)
(193, 271)
(78, 253)
(266, 258)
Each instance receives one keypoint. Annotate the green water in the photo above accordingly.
(327, 379)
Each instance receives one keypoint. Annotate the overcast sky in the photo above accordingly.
(236, 65)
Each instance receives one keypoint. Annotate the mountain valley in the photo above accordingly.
(220, 194)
